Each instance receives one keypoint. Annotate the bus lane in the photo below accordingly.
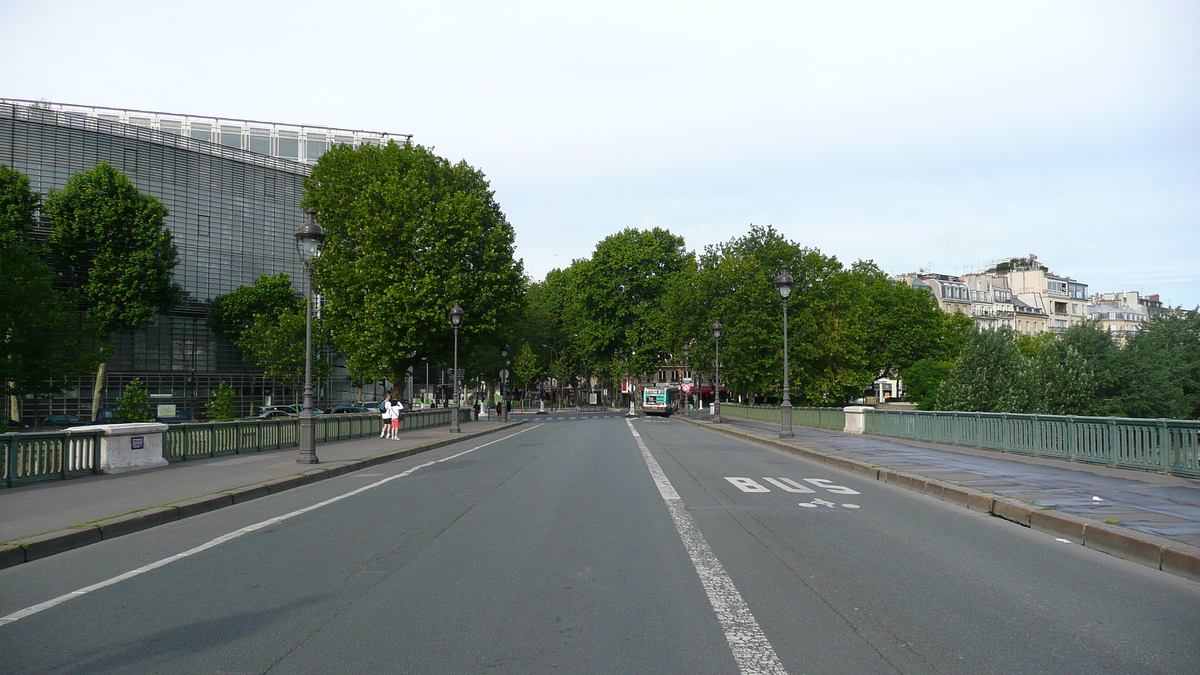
(846, 574)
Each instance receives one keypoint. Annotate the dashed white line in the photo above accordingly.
(751, 649)
(29, 611)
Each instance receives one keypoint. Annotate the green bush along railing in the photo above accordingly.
(57, 455)
(48, 455)
(1169, 446)
(821, 418)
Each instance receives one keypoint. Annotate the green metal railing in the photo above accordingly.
(821, 418)
(210, 439)
(48, 455)
(58, 455)
(1168, 446)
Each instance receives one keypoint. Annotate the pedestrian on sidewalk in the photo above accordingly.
(394, 412)
(383, 414)
(499, 410)
(476, 407)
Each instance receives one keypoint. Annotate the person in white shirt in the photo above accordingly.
(384, 409)
(397, 406)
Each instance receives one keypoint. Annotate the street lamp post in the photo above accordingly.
(717, 329)
(687, 365)
(784, 284)
(308, 242)
(504, 383)
(456, 317)
(629, 383)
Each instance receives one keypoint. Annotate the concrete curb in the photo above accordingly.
(28, 549)
(1160, 553)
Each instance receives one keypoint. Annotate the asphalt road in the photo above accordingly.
(576, 546)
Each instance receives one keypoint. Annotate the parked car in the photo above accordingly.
(179, 416)
(349, 408)
(14, 425)
(64, 421)
(292, 409)
(271, 413)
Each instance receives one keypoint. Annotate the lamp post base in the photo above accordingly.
(785, 420)
(308, 439)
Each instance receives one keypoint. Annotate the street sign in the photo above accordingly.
(686, 388)
(450, 373)
(504, 375)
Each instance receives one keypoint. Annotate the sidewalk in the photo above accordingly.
(1141, 516)
(47, 518)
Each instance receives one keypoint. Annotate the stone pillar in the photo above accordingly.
(128, 447)
(856, 421)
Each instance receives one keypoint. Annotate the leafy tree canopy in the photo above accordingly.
(270, 295)
(111, 241)
(408, 234)
(40, 343)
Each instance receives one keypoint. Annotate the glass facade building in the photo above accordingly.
(232, 189)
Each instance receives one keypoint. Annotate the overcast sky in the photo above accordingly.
(918, 135)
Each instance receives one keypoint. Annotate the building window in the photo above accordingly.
(260, 143)
(289, 147)
(231, 137)
(315, 147)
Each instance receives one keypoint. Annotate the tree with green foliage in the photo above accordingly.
(526, 367)
(923, 379)
(408, 234)
(846, 327)
(40, 343)
(116, 254)
(266, 320)
(987, 377)
(131, 407)
(275, 342)
(222, 406)
(1163, 368)
(618, 296)
(1057, 380)
(269, 295)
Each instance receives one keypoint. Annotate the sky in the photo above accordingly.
(938, 136)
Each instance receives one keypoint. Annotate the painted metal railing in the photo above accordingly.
(820, 418)
(1168, 446)
(48, 455)
(210, 439)
(58, 455)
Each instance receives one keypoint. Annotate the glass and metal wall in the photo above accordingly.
(233, 203)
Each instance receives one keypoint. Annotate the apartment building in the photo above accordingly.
(952, 295)
(991, 300)
(1063, 299)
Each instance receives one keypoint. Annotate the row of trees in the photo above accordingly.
(642, 300)
(1080, 372)
(104, 268)
(410, 233)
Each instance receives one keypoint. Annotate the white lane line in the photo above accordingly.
(29, 611)
(751, 649)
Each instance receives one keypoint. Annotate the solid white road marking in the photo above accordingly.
(29, 611)
(1065, 541)
(851, 506)
(751, 649)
